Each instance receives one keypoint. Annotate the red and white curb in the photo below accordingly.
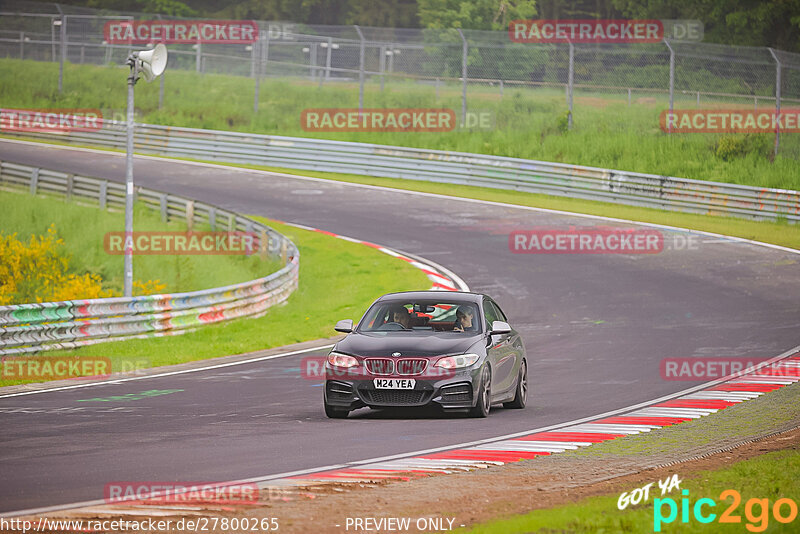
(442, 279)
(722, 394)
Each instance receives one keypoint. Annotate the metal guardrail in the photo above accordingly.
(59, 325)
(575, 181)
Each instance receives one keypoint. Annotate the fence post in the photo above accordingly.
(464, 51)
(571, 81)
(671, 83)
(360, 69)
(63, 58)
(777, 99)
(629, 97)
(22, 45)
(198, 67)
(328, 59)
(382, 67)
(161, 91)
(257, 55)
(501, 89)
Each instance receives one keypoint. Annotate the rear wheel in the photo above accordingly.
(484, 401)
(521, 395)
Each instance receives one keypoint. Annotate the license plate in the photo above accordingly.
(394, 383)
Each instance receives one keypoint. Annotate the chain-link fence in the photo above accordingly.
(689, 73)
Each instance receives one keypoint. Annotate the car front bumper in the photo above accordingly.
(457, 391)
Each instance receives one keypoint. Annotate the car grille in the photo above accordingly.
(403, 367)
(379, 366)
(394, 397)
(411, 366)
(457, 393)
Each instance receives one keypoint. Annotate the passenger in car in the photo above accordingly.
(463, 322)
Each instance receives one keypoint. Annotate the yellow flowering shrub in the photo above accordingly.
(36, 271)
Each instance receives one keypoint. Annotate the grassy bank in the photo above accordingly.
(338, 280)
(528, 123)
(83, 228)
(772, 476)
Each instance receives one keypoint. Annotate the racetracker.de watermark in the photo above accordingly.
(378, 120)
(730, 120)
(180, 31)
(590, 240)
(159, 492)
(182, 243)
(693, 369)
(54, 368)
(586, 31)
(52, 120)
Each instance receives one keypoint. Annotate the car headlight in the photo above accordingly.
(457, 362)
(341, 360)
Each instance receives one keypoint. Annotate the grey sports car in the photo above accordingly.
(451, 349)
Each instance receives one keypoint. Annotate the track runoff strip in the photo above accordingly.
(695, 403)
(443, 279)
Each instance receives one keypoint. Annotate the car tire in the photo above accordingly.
(521, 393)
(335, 413)
(484, 402)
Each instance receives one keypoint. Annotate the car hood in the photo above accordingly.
(406, 343)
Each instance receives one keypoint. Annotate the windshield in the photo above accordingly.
(433, 315)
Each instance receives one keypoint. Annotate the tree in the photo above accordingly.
(475, 14)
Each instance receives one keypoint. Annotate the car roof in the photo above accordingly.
(459, 296)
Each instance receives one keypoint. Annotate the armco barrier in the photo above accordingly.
(664, 192)
(55, 325)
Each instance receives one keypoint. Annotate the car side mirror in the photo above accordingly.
(500, 327)
(345, 326)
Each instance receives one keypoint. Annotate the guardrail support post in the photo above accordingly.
(34, 180)
(777, 100)
(189, 215)
(70, 185)
(360, 69)
(464, 52)
(103, 196)
(162, 204)
(22, 45)
(212, 218)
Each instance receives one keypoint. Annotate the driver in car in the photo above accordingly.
(463, 320)
(400, 315)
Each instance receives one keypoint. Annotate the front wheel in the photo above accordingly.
(484, 401)
(335, 413)
(521, 396)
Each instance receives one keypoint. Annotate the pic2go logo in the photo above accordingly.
(756, 511)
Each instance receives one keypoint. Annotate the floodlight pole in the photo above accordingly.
(128, 274)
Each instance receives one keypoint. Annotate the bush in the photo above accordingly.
(39, 272)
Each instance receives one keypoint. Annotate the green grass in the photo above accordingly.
(83, 227)
(529, 122)
(772, 476)
(338, 280)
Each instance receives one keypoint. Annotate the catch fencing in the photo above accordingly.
(575, 181)
(690, 72)
(38, 327)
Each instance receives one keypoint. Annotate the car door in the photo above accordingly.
(501, 353)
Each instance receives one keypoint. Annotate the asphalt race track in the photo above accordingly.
(596, 327)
